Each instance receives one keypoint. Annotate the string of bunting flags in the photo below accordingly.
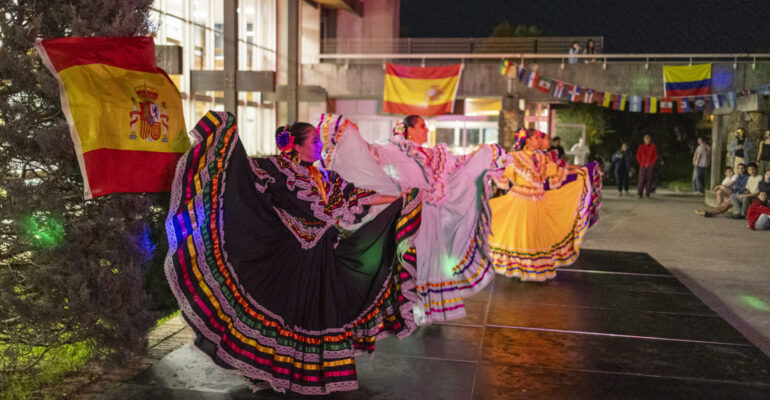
(625, 102)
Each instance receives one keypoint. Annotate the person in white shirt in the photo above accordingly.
(701, 160)
(581, 152)
(723, 190)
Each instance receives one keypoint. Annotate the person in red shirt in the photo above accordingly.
(758, 213)
(646, 155)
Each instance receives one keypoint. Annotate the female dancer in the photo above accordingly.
(534, 230)
(273, 267)
(453, 258)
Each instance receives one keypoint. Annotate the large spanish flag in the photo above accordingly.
(420, 90)
(687, 80)
(124, 113)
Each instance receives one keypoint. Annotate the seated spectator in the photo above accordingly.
(723, 190)
(758, 213)
(764, 186)
(738, 186)
(556, 145)
(742, 200)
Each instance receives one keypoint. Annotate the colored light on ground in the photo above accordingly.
(755, 303)
(44, 230)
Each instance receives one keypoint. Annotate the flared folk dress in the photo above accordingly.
(539, 224)
(281, 269)
(453, 261)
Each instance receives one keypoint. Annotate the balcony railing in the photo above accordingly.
(457, 45)
(524, 58)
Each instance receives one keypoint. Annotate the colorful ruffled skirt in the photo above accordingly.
(531, 238)
(260, 302)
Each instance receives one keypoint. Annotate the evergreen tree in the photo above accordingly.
(71, 270)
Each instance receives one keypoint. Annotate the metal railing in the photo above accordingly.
(457, 45)
(524, 58)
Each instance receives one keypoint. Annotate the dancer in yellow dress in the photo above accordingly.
(535, 230)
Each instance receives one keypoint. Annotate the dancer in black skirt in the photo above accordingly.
(284, 270)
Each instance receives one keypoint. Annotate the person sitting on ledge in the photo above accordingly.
(738, 186)
(742, 200)
(723, 190)
(758, 213)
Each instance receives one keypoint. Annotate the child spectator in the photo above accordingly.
(758, 214)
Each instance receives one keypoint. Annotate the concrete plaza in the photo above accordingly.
(661, 304)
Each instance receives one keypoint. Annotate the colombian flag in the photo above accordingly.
(687, 80)
(124, 113)
(420, 90)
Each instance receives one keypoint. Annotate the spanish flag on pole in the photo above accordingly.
(420, 90)
(124, 113)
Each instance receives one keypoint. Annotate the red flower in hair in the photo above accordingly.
(285, 140)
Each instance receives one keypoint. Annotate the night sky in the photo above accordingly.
(640, 26)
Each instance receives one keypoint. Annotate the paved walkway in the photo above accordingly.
(719, 259)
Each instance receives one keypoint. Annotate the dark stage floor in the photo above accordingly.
(614, 325)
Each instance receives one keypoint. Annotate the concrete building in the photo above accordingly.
(196, 29)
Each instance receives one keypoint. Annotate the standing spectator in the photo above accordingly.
(741, 147)
(580, 151)
(590, 49)
(738, 186)
(763, 157)
(574, 50)
(742, 199)
(701, 159)
(758, 214)
(646, 156)
(556, 145)
(621, 164)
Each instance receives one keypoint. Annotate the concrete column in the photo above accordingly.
(231, 56)
(292, 98)
(717, 148)
(511, 120)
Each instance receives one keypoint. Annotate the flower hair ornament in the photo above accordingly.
(399, 129)
(521, 138)
(285, 140)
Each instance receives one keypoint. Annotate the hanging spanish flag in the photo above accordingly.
(420, 90)
(124, 113)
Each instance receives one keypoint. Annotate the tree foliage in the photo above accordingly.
(506, 29)
(71, 271)
(594, 118)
